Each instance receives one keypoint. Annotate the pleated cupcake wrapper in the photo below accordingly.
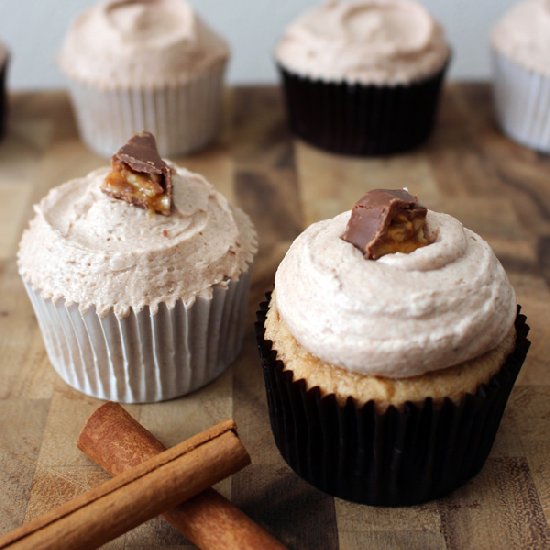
(361, 119)
(144, 356)
(522, 103)
(398, 457)
(184, 116)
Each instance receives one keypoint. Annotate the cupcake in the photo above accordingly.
(363, 77)
(138, 65)
(521, 59)
(138, 275)
(389, 346)
(4, 64)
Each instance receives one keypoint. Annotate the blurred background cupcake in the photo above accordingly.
(4, 65)
(363, 77)
(521, 57)
(138, 304)
(389, 346)
(145, 64)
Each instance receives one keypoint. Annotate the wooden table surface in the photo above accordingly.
(469, 170)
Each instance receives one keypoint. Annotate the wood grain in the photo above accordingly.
(467, 169)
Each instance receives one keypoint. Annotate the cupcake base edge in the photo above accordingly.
(362, 119)
(146, 356)
(522, 103)
(399, 457)
(185, 116)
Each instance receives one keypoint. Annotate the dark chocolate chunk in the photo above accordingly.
(139, 176)
(385, 221)
(142, 156)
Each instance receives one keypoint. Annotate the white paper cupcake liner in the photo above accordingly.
(522, 103)
(144, 356)
(183, 116)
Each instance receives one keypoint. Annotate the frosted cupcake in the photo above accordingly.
(138, 275)
(363, 77)
(138, 65)
(521, 58)
(390, 346)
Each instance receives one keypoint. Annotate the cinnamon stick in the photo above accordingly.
(136, 495)
(116, 441)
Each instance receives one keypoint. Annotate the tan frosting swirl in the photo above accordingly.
(399, 316)
(143, 42)
(97, 251)
(367, 41)
(523, 34)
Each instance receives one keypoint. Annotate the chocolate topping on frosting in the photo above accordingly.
(141, 154)
(140, 176)
(385, 221)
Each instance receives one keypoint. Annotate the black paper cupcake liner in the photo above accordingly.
(399, 457)
(361, 119)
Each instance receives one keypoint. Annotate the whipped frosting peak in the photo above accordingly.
(93, 250)
(369, 41)
(401, 315)
(375, 23)
(523, 34)
(146, 42)
(130, 21)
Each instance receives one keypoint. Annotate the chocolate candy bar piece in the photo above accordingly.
(385, 221)
(140, 176)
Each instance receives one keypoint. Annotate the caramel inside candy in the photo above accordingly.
(139, 176)
(386, 221)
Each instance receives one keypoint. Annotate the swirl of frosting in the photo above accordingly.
(523, 34)
(402, 315)
(139, 42)
(366, 41)
(93, 250)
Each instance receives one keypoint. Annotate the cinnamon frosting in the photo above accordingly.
(93, 250)
(401, 315)
(139, 42)
(365, 41)
(523, 34)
